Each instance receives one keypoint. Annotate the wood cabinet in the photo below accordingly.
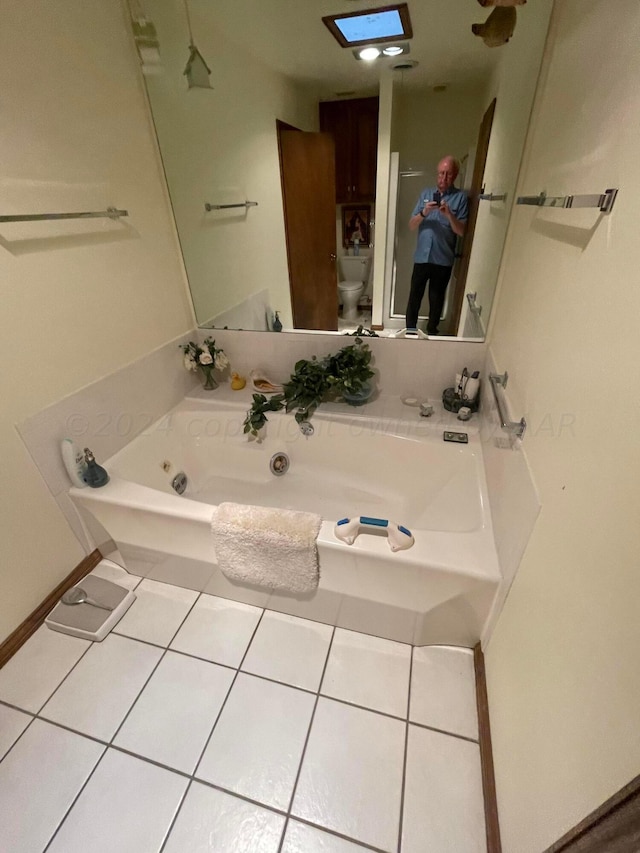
(354, 126)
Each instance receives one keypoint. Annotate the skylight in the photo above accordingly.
(370, 26)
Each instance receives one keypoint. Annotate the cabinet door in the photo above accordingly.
(335, 119)
(364, 127)
(354, 127)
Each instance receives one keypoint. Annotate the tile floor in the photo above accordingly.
(202, 724)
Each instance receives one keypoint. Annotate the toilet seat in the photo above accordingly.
(350, 285)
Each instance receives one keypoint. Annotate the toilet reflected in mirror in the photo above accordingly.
(355, 272)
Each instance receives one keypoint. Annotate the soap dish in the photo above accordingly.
(411, 401)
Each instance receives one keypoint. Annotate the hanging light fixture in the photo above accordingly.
(196, 70)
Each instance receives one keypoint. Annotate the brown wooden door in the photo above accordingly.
(461, 267)
(308, 188)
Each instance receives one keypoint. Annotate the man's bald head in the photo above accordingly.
(448, 169)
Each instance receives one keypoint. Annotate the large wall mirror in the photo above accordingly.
(277, 79)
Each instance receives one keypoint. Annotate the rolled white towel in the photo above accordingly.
(268, 547)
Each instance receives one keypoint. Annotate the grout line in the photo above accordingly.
(59, 685)
(337, 834)
(75, 799)
(222, 707)
(133, 704)
(152, 673)
(404, 759)
(175, 817)
(239, 796)
(443, 732)
(28, 726)
(306, 741)
(72, 731)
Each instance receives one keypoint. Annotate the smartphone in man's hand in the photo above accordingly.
(437, 197)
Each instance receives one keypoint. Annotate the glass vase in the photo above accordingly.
(206, 372)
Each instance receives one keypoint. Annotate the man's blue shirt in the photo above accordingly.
(436, 238)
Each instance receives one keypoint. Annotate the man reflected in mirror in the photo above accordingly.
(439, 216)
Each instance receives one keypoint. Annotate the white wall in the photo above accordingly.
(80, 299)
(562, 668)
(513, 85)
(220, 145)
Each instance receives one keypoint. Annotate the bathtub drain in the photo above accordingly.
(279, 464)
(179, 483)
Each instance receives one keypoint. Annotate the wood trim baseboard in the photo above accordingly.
(614, 826)
(492, 825)
(10, 646)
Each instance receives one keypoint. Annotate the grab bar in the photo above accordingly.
(515, 427)
(399, 537)
(109, 213)
(475, 309)
(604, 201)
(208, 206)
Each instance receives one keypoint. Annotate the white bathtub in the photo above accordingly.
(438, 591)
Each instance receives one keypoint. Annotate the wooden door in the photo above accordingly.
(461, 268)
(308, 187)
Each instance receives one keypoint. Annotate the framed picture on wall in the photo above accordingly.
(355, 224)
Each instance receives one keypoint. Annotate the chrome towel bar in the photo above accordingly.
(245, 204)
(492, 197)
(109, 213)
(604, 201)
(517, 428)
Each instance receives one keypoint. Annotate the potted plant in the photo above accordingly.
(307, 387)
(350, 374)
(347, 373)
(205, 358)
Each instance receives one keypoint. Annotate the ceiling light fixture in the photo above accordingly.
(369, 53)
(393, 50)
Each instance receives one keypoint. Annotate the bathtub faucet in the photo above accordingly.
(306, 428)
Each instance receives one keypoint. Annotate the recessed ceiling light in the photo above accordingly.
(393, 50)
(369, 53)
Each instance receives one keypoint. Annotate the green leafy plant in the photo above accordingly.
(256, 416)
(307, 387)
(348, 370)
(312, 381)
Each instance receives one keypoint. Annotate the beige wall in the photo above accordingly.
(79, 299)
(513, 86)
(220, 145)
(563, 674)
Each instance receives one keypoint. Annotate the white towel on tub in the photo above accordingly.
(266, 546)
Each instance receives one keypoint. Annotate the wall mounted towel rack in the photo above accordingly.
(517, 428)
(208, 206)
(473, 307)
(604, 201)
(492, 197)
(109, 213)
